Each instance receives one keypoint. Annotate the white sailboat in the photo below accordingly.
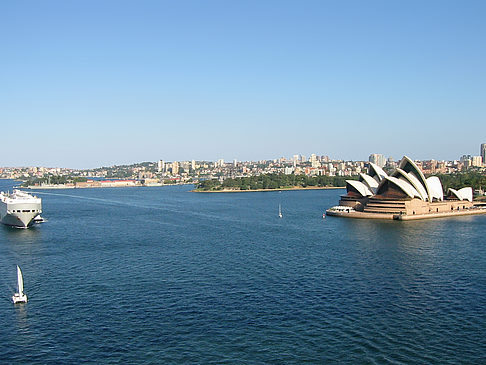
(19, 297)
(280, 211)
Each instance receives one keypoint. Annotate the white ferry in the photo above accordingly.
(339, 210)
(19, 209)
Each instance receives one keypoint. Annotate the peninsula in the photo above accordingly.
(271, 182)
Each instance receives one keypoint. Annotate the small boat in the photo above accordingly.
(280, 211)
(19, 297)
(323, 215)
(39, 219)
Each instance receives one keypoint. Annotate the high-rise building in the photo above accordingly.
(483, 153)
(175, 168)
(161, 166)
(288, 170)
(313, 160)
(185, 165)
(476, 161)
(295, 160)
(377, 159)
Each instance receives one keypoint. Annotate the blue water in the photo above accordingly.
(162, 275)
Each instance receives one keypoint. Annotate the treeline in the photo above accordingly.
(273, 181)
(475, 180)
(53, 180)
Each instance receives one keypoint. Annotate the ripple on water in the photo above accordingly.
(163, 276)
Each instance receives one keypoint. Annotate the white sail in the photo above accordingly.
(20, 281)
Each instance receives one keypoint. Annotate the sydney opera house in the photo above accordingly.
(405, 194)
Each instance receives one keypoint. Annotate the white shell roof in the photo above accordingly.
(405, 186)
(377, 172)
(435, 187)
(363, 189)
(369, 181)
(409, 179)
(412, 180)
(463, 194)
(413, 168)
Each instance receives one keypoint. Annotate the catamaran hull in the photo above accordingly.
(19, 298)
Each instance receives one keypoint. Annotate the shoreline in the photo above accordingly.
(384, 216)
(266, 190)
(59, 187)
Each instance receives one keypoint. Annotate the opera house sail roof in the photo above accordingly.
(407, 181)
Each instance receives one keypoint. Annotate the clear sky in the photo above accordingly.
(95, 83)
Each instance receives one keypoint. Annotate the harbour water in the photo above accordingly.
(162, 275)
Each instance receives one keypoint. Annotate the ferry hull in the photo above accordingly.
(20, 212)
(20, 220)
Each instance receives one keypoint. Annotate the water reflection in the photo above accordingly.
(29, 235)
(22, 321)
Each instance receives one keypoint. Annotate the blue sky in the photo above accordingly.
(97, 83)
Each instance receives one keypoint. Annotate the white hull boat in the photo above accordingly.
(19, 209)
(19, 297)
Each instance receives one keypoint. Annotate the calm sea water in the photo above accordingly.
(162, 275)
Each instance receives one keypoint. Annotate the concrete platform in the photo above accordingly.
(403, 217)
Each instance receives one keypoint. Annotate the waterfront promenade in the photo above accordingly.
(404, 217)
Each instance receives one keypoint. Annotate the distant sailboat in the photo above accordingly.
(280, 211)
(19, 297)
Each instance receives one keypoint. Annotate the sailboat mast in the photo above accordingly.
(20, 280)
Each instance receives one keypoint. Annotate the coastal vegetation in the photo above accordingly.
(281, 181)
(474, 179)
(272, 182)
(53, 180)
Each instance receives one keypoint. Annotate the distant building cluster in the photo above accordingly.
(165, 172)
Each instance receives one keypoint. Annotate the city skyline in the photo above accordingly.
(107, 83)
(313, 160)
